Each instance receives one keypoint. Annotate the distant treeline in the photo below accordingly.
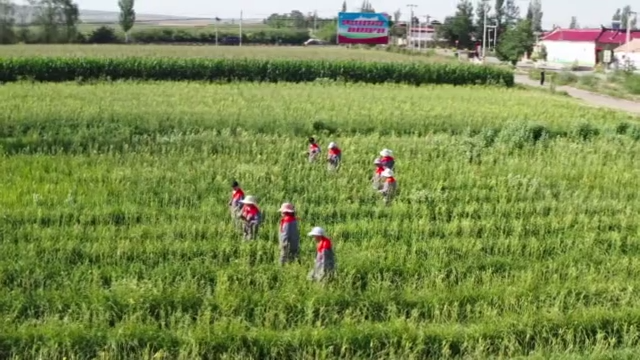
(225, 36)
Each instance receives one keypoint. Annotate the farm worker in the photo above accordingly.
(314, 149)
(289, 234)
(235, 204)
(251, 217)
(377, 175)
(389, 187)
(387, 160)
(334, 157)
(325, 264)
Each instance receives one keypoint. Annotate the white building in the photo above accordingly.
(571, 46)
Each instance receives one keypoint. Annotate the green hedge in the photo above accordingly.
(175, 69)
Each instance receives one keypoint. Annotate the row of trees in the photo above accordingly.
(622, 15)
(516, 34)
(50, 21)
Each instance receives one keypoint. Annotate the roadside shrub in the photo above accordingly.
(632, 84)
(50, 69)
(103, 35)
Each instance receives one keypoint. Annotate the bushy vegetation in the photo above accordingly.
(515, 232)
(175, 69)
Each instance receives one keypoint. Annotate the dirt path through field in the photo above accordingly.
(588, 97)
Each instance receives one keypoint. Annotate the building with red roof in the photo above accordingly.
(582, 46)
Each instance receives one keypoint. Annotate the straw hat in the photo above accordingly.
(250, 200)
(287, 207)
(316, 231)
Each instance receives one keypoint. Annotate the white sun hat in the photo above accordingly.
(316, 231)
(251, 200)
(387, 173)
(386, 152)
(287, 207)
(377, 161)
(332, 145)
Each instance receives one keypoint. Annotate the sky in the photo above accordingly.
(589, 13)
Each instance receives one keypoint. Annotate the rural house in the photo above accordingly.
(582, 46)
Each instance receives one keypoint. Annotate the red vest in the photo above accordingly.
(287, 219)
(324, 244)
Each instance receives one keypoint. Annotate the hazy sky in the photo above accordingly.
(589, 12)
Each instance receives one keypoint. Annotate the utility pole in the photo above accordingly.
(411, 6)
(494, 29)
(216, 31)
(484, 35)
(240, 44)
(428, 25)
(629, 26)
(315, 18)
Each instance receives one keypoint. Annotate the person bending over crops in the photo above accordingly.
(314, 150)
(250, 217)
(387, 160)
(389, 187)
(289, 234)
(334, 157)
(325, 264)
(377, 175)
(235, 204)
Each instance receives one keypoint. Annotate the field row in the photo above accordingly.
(225, 52)
(172, 69)
(168, 113)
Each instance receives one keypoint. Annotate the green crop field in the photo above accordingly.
(515, 234)
(212, 51)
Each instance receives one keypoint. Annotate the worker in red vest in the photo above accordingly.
(314, 150)
(377, 175)
(324, 267)
(387, 160)
(334, 157)
(389, 186)
(289, 234)
(251, 217)
(235, 204)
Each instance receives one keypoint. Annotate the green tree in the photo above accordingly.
(511, 13)
(574, 23)
(127, 16)
(458, 27)
(499, 15)
(483, 7)
(397, 15)
(617, 16)
(277, 21)
(627, 15)
(366, 7)
(328, 32)
(7, 22)
(516, 42)
(534, 15)
(57, 20)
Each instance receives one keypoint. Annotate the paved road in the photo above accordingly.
(589, 97)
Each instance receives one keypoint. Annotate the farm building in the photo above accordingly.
(630, 50)
(582, 46)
